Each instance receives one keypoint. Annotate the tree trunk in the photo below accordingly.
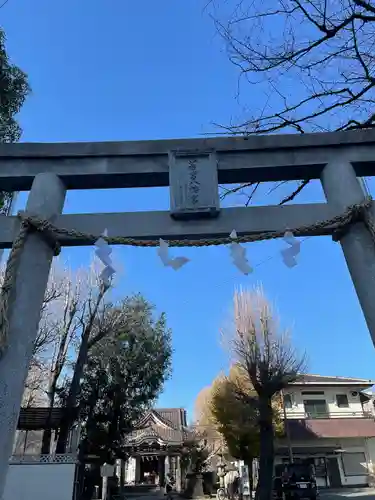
(122, 475)
(266, 458)
(47, 433)
(71, 400)
(75, 385)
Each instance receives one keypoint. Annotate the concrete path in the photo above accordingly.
(348, 494)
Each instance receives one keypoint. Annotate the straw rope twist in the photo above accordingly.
(339, 224)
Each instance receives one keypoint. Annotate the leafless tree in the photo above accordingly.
(96, 321)
(311, 60)
(74, 322)
(76, 314)
(35, 386)
(61, 326)
(267, 357)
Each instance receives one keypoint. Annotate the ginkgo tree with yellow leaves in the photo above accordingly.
(245, 406)
(236, 422)
(266, 356)
(228, 421)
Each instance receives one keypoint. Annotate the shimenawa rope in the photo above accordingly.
(338, 224)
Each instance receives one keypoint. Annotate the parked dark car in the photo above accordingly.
(295, 482)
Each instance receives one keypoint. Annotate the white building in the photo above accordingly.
(331, 424)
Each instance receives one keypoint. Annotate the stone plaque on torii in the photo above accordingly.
(192, 168)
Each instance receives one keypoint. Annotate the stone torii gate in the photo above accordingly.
(192, 168)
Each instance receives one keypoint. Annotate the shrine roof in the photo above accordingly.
(176, 416)
(163, 426)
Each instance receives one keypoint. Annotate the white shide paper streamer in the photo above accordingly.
(163, 252)
(290, 253)
(103, 252)
(238, 254)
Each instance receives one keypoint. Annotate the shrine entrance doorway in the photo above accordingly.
(150, 470)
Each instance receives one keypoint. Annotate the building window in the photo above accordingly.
(312, 393)
(354, 464)
(342, 401)
(316, 408)
(288, 404)
(320, 467)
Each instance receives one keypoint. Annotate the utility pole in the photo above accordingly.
(287, 430)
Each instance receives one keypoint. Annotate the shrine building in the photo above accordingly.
(155, 447)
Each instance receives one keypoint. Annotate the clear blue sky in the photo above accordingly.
(124, 70)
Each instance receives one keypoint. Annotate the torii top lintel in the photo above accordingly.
(95, 165)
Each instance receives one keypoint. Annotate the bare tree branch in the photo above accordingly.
(312, 60)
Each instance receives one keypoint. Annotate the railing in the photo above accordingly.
(290, 415)
(66, 458)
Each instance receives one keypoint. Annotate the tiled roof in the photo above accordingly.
(169, 436)
(176, 416)
(165, 424)
(302, 430)
(307, 378)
